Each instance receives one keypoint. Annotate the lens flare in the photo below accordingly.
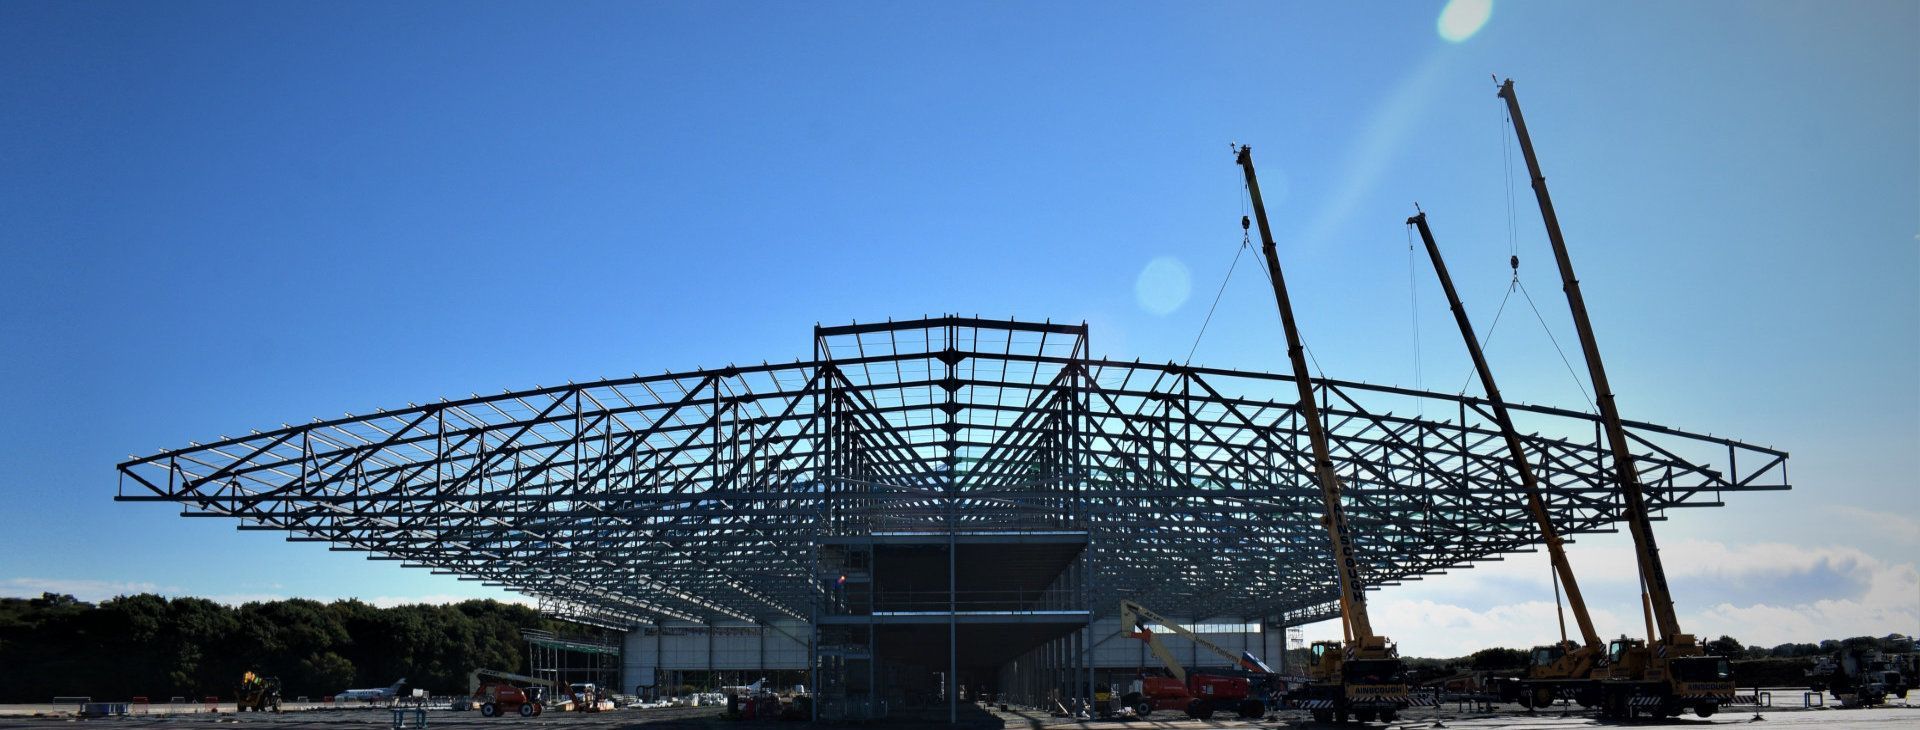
(1163, 285)
(1460, 19)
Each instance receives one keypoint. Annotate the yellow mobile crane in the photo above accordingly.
(1669, 672)
(1362, 677)
(1557, 670)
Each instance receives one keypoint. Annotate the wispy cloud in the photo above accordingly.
(99, 590)
(81, 588)
(1761, 593)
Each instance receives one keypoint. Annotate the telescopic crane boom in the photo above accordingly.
(1536, 504)
(1353, 595)
(1637, 676)
(1364, 678)
(1652, 574)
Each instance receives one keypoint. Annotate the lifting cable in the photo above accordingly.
(1513, 261)
(1413, 303)
(1245, 241)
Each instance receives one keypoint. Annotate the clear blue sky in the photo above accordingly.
(222, 216)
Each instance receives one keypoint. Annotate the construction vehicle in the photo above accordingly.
(1197, 693)
(1669, 671)
(588, 697)
(1862, 677)
(1361, 677)
(1556, 671)
(493, 692)
(258, 693)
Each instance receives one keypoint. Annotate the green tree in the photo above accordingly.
(1726, 646)
(1498, 658)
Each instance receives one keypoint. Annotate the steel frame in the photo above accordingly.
(700, 496)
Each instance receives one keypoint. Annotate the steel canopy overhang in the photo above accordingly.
(700, 496)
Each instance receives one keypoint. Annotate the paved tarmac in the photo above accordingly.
(708, 718)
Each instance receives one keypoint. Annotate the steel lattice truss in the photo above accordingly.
(700, 496)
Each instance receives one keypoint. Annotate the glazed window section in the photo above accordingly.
(1708, 669)
(1547, 655)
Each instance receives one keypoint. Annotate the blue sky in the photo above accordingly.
(222, 216)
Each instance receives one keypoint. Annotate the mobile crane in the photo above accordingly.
(1670, 671)
(1198, 693)
(1362, 677)
(1557, 670)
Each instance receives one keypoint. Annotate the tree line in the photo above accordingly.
(153, 646)
(1779, 665)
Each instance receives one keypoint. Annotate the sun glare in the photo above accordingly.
(1163, 285)
(1460, 19)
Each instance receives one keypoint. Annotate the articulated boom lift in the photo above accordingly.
(1364, 676)
(1674, 673)
(1199, 693)
(1559, 669)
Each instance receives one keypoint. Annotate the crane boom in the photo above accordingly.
(1528, 482)
(1353, 598)
(1653, 576)
(1136, 616)
(473, 679)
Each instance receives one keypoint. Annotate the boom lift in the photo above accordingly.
(1555, 670)
(1199, 693)
(1363, 677)
(1674, 673)
(496, 697)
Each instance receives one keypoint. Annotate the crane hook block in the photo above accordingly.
(1514, 261)
(1244, 222)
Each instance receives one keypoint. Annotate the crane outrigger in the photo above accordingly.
(1668, 672)
(1362, 677)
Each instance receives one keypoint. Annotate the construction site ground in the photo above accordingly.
(46, 717)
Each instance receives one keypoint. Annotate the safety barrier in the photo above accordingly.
(141, 706)
(401, 715)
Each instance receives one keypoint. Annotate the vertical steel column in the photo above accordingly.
(953, 615)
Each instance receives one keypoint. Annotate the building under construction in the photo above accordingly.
(926, 506)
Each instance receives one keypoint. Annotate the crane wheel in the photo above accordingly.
(1705, 709)
(526, 710)
(1199, 709)
(1542, 697)
(489, 710)
(1144, 708)
(1252, 709)
(1364, 716)
(1389, 715)
(1322, 716)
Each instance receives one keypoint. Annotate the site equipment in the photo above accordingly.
(490, 689)
(1362, 677)
(1556, 670)
(1862, 677)
(586, 697)
(1673, 673)
(258, 693)
(1198, 693)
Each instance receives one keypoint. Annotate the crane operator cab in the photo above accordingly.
(1626, 659)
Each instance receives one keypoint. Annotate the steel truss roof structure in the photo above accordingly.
(701, 496)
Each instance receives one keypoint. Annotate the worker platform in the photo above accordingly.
(919, 510)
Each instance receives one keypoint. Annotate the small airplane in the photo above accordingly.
(373, 695)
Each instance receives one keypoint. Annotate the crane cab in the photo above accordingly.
(1324, 660)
